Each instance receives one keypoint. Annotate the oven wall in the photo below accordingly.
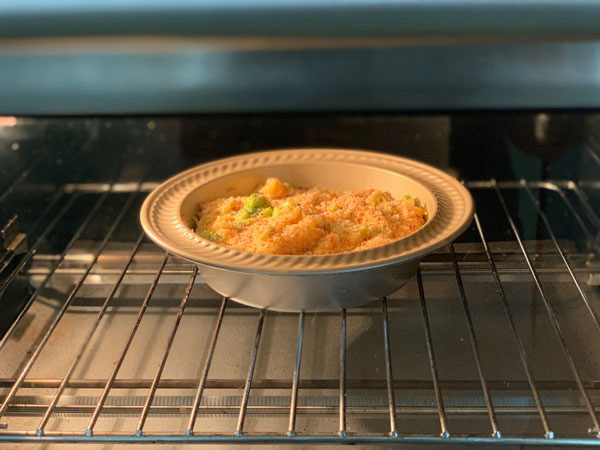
(38, 155)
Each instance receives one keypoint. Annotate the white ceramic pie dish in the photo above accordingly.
(315, 282)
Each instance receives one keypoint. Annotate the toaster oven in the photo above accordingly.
(106, 338)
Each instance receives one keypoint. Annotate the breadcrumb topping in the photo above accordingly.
(285, 220)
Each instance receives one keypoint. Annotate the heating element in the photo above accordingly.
(495, 340)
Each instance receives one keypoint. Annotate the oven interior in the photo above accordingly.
(105, 338)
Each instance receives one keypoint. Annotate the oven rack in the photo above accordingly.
(383, 397)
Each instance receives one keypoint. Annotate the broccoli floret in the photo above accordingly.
(255, 202)
(214, 237)
(242, 215)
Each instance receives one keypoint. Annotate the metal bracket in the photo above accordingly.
(10, 238)
(12, 244)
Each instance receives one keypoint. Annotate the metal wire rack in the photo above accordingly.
(525, 369)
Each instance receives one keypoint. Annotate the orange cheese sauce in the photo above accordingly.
(283, 220)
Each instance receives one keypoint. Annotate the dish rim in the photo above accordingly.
(162, 210)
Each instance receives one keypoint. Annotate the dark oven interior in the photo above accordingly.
(105, 338)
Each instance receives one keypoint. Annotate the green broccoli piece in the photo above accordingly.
(255, 202)
(241, 217)
(214, 237)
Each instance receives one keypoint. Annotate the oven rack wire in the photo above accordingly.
(12, 404)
